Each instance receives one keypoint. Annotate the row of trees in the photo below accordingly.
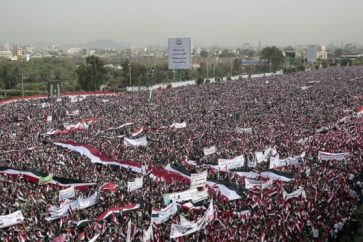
(92, 73)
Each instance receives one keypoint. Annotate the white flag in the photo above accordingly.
(148, 234)
(132, 186)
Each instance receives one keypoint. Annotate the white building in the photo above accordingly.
(6, 54)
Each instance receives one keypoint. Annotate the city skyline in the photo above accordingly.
(140, 23)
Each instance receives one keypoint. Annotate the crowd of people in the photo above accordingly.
(301, 113)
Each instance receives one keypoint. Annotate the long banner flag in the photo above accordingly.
(11, 219)
(97, 157)
(332, 156)
(34, 177)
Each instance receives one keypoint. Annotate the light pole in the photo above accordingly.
(130, 75)
(22, 84)
(208, 65)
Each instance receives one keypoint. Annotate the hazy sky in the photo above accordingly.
(207, 22)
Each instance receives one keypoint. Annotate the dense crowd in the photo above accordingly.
(300, 113)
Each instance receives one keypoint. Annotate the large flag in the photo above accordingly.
(31, 176)
(132, 186)
(332, 156)
(135, 142)
(11, 219)
(67, 193)
(97, 157)
(46, 179)
(210, 150)
(161, 216)
(198, 179)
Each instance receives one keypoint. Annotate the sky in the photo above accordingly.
(208, 22)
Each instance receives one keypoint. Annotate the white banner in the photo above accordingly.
(191, 194)
(178, 125)
(275, 163)
(297, 193)
(83, 203)
(210, 150)
(179, 54)
(164, 214)
(11, 219)
(243, 130)
(135, 142)
(251, 183)
(228, 164)
(132, 186)
(332, 156)
(63, 209)
(67, 193)
(198, 179)
(187, 227)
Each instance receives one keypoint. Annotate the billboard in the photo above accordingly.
(179, 53)
(311, 53)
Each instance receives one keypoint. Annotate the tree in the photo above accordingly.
(274, 55)
(10, 75)
(92, 74)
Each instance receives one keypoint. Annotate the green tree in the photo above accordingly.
(92, 74)
(10, 75)
(274, 55)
